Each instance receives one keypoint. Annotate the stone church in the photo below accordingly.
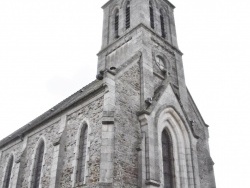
(136, 125)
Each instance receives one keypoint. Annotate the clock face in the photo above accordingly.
(160, 63)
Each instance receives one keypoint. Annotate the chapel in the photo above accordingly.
(136, 125)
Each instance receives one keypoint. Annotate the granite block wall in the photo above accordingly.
(127, 127)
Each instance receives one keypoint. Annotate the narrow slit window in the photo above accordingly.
(163, 34)
(128, 15)
(167, 160)
(38, 165)
(151, 10)
(117, 24)
(82, 155)
(8, 172)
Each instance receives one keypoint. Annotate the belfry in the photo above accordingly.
(136, 125)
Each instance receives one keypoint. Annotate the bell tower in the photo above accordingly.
(147, 27)
(156, 136)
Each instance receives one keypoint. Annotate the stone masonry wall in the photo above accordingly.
(92, 113)
(127, 128)
(14, 149)
(48, 134)
(205, 161)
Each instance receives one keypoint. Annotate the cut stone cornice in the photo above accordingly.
(127, 37)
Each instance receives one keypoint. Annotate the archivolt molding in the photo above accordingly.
(168, 118)
(113, 9)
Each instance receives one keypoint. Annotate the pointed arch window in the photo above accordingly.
(167, 160)
(82, 154)
(163, 34)
(128, 15)
(117, 24)
(151, 11)
(38, 165)
(8, 172)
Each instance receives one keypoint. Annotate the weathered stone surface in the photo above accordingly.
(92, 113)
(47, 134)
(127, 128)
(125, 112)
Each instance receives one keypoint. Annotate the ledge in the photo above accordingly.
(126, 38)
(153, 182)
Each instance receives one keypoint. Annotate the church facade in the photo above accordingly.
(136, 125)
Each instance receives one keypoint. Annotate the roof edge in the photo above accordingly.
(57, 109)
(196, 108)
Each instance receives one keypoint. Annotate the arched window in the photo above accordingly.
(163, 34)
(117, 24)
(82, 154)
(167, 160)
(38, 165)
(151, 10)
(128, 15)
(8, 172)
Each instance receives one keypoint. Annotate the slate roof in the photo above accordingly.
(82, 94)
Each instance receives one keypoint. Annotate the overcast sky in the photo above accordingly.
(48, 51)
